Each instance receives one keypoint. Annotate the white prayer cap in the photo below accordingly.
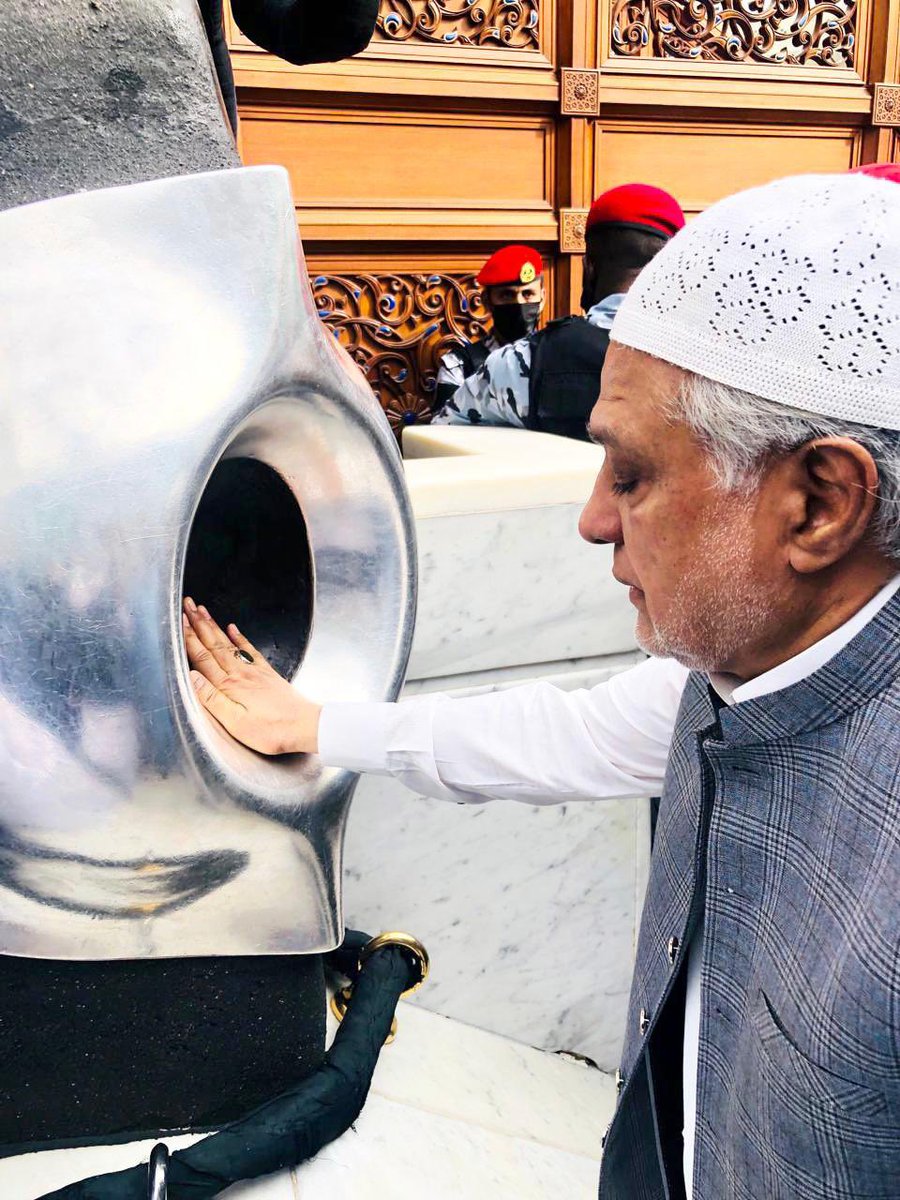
(789, 291)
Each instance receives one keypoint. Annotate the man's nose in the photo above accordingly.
(599, 521)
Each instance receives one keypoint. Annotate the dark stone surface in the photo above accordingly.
(95, 93)
(99, 1051)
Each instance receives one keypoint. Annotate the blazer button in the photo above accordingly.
(672, 949)
(620, 1081)
(645, 1021)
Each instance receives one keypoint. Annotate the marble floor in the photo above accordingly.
(454, 1113)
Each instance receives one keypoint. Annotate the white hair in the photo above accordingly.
(742, 433)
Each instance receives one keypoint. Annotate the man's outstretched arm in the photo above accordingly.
(533, 743)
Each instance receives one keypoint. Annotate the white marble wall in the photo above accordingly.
(502, 589)
(530, 913)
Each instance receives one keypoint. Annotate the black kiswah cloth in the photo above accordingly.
(295, 1125)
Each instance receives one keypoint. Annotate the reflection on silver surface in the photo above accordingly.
(173, 407)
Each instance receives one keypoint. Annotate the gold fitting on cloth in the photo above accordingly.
(405, 941)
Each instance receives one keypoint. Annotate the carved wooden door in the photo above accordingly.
(470, 123)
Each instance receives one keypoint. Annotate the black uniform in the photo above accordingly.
(566, 360)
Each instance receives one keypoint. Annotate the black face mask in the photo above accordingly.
(514, 321)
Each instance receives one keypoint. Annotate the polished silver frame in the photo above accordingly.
(149, 332)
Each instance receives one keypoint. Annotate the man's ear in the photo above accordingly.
(832, 500)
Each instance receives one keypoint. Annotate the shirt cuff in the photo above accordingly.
(355, 736)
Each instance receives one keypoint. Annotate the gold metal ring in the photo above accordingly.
(405, 941)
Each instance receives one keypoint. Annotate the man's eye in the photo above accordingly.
(621, 487)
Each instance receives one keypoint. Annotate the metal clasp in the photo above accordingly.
(158, 1173)
(405, 941)
(339, 1001)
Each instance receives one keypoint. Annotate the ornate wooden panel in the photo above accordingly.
(374, 173)
(571, 230)
(790, 32)
(701, 163)
(886, 108)
(469, 123)
(492, 23)
(396, 326)
(580, 93)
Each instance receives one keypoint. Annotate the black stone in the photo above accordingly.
(114, 92)
(107, 1051)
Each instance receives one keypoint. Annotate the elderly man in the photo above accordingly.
(750, 411)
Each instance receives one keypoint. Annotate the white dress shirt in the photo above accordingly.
(541, 745)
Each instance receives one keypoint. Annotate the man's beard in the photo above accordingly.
(719, 606)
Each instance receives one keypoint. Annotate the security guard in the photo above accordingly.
(512, 290)
(549, 380)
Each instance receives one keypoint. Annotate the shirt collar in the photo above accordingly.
(602, 313)
(802, 665)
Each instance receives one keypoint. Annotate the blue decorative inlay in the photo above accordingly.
(320, 280)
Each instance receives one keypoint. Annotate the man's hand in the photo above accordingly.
(242, 692)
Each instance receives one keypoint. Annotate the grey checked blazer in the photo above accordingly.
(785, 811)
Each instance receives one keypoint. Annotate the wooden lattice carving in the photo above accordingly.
(396, 326)
(792, 32)
(580, 92)
(886, 106)
(571, 230)
(465, 23)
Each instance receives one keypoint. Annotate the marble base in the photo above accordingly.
(520, 586)
(454, 1114)
(530, 914)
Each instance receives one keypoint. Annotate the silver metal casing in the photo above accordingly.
(159, 350)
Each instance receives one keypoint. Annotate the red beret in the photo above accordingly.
(511, 264)
(637, 206)
(890, 171)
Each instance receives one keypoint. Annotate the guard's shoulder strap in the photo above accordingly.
(473, 356)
